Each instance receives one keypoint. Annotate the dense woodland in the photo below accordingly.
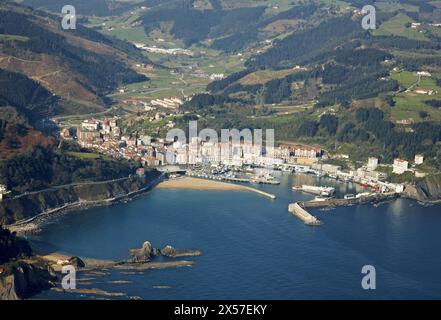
(307, 46)
(12, 247)
(26, 95)
(10, 132)
(43, 167)
(243, 37)
(96, 7)
(193, 26)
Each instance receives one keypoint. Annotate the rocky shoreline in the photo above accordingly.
(425, 192)
(35, 223)
(32, 275)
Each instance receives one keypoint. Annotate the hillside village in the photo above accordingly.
(105, 137)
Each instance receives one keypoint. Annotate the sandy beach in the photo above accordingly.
(198, 184)
(205, 184)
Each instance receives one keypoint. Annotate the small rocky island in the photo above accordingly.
(147, 253)
(24, 273)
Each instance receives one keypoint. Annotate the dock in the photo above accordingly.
(298, 209)
(321, 191)
(263, 193)
(232, 179)
(303, 215)
(332, 202)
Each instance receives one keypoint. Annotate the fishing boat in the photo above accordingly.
(264, 178)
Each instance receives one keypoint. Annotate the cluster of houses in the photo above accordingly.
(369, 176)
(173, 51)
(401, 166)
(241, 153)
(415, 25)
(105, 136)
(169, 103)
(217, 76)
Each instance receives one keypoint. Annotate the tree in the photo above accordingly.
(329, 123)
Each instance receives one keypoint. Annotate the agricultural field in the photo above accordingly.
(395, 6)
(263, 76)
(399, 26)
(11, 37)
(410, 105)
(405, 78)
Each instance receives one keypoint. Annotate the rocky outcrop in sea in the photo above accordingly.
(147, 252)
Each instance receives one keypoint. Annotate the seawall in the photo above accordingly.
(377, 197)
(303, 215)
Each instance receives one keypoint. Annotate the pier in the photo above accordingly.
(298, 209)
(303, 215)
(257, 180)
(332, 202)
(263, 193)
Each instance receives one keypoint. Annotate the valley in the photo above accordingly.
(84, 118)
(306, 69)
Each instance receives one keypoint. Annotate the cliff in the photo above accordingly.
(33, 204)
(427, 190)
(23, 279)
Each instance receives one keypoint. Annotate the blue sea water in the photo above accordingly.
(255, 249)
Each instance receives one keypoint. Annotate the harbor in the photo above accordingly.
(226, 223)
(298, 209)
(243, 175)
(357, 200)
(325, 191)
(317, 190)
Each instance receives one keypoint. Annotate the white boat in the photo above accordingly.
(264, 178)
(321, 191)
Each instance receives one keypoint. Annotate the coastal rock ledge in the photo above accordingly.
(21, 280)
(146, 253)
(427, 190)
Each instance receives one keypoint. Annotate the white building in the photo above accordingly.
(372, 164)
(400, 166)
(3, 191)
(217, 76)
(91, 125)
(327, 168)
(424, 74)
(419, 159)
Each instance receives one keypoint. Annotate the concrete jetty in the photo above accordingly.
(303, 215)
(298, 208)
(263, 193)
(332, 202)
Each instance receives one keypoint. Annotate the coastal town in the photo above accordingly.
(234, 161)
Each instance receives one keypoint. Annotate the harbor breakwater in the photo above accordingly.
(298, 209)
(333, 202)
(303, 215)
